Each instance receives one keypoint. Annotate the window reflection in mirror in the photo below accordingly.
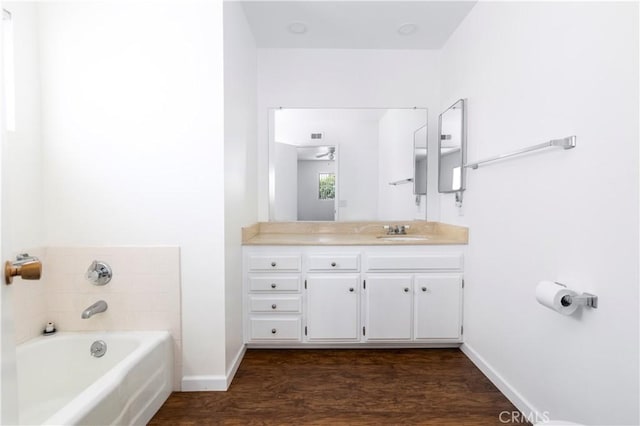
(337, 164)
(451, 149)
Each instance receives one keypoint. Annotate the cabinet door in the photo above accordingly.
(389, 302)
(438, 306)
(332, 307)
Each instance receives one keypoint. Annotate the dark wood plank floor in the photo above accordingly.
(357, 387)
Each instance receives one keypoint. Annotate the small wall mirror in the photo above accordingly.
(452, 146)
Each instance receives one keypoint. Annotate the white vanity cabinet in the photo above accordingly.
(332, 296)
(438, 304)
(332, 312)
(413, 296)
(388, 307)
(337, 296)
(402, 307)
(273, 299)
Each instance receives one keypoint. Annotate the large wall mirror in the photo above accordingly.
(452, 147)
(347, 164)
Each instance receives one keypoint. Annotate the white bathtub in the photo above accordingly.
(60, 383)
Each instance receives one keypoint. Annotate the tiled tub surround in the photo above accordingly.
(144, 293)
(351, 233)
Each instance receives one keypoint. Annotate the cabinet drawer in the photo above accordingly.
(275, 304)
(275, 329)
(452, 261)
(334, 263)
(274, 283)
(274, 263)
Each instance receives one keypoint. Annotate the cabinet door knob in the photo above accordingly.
(424, 289)
(273, 285)
(333, 264)
(274, 331)
(406, 289)
(351, 289)
(273, 264)
(274, 306)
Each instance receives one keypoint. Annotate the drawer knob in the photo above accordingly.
(273, 264)
(406, 289)
(274, 331)
(351, 289)
(274, 306)
(273, 285)
(333, 264)
(424, 289)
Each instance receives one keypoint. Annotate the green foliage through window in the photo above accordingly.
(326, 186)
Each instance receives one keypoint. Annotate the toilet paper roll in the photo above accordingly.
(550, 294)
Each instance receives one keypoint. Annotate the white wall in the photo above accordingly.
(23, 147)
(395, 153)
(134, 154)
(241, 180)
(532, 72)
(22, 207)
(310, 207)
(326, 78)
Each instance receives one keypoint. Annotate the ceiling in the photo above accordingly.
(354, 24)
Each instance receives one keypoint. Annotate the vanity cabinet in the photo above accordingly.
(402, 307)
(438, 301)
(389, 307)
(273, 299)
(332, 307)
(305, 296)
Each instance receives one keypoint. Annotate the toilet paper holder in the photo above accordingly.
(584, 299)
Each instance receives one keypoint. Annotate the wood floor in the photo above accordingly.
(338, 387)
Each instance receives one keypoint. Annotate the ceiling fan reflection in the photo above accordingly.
(330, 153)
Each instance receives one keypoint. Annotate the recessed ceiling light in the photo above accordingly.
(297, 28)
(407, 29)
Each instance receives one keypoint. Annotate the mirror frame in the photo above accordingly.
(463, 147)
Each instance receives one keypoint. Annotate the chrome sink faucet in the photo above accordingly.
(96, 308)
(396, 229)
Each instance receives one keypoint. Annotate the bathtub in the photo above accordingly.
(61, 383)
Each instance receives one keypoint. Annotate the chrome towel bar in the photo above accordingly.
(401, 181)
(565, 143)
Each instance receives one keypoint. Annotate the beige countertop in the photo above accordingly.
(352, 234)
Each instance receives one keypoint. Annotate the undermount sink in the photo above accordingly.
(403, 237)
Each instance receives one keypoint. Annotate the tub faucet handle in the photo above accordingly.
(99, 273)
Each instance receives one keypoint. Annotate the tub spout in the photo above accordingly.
(96, 308)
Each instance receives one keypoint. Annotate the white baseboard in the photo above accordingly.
(204, 383)
(236, 363)
(503, 386)
(213, 382)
